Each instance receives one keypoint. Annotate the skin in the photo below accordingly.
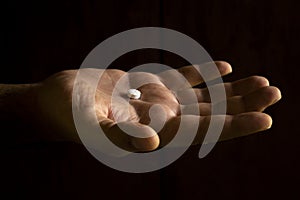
(246, 100)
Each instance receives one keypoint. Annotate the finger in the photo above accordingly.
(254, 101)
(191, 73)
(194, 74)
(237, 88)
(130, 136)
(246, 85)
(258, 100)
(234, 126)
(244, 124)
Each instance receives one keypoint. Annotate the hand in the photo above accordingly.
(246, 99)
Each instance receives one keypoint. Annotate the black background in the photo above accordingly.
(256, 37)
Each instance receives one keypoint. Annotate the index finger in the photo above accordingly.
(193, 75)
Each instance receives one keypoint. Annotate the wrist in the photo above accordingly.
(18, 101)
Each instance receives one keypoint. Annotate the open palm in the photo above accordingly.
(157, 114)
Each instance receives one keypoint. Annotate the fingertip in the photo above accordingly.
(272, 93)
(224, 67)
(259, 81)
(262, 121)
(252, 122)
(145, 144)
(276, 93)
(265, 121)
(147, 140)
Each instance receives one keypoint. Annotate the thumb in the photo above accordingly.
(130, 136)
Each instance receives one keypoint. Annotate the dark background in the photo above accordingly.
(256, 37)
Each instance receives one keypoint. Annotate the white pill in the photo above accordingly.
(134, 94)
